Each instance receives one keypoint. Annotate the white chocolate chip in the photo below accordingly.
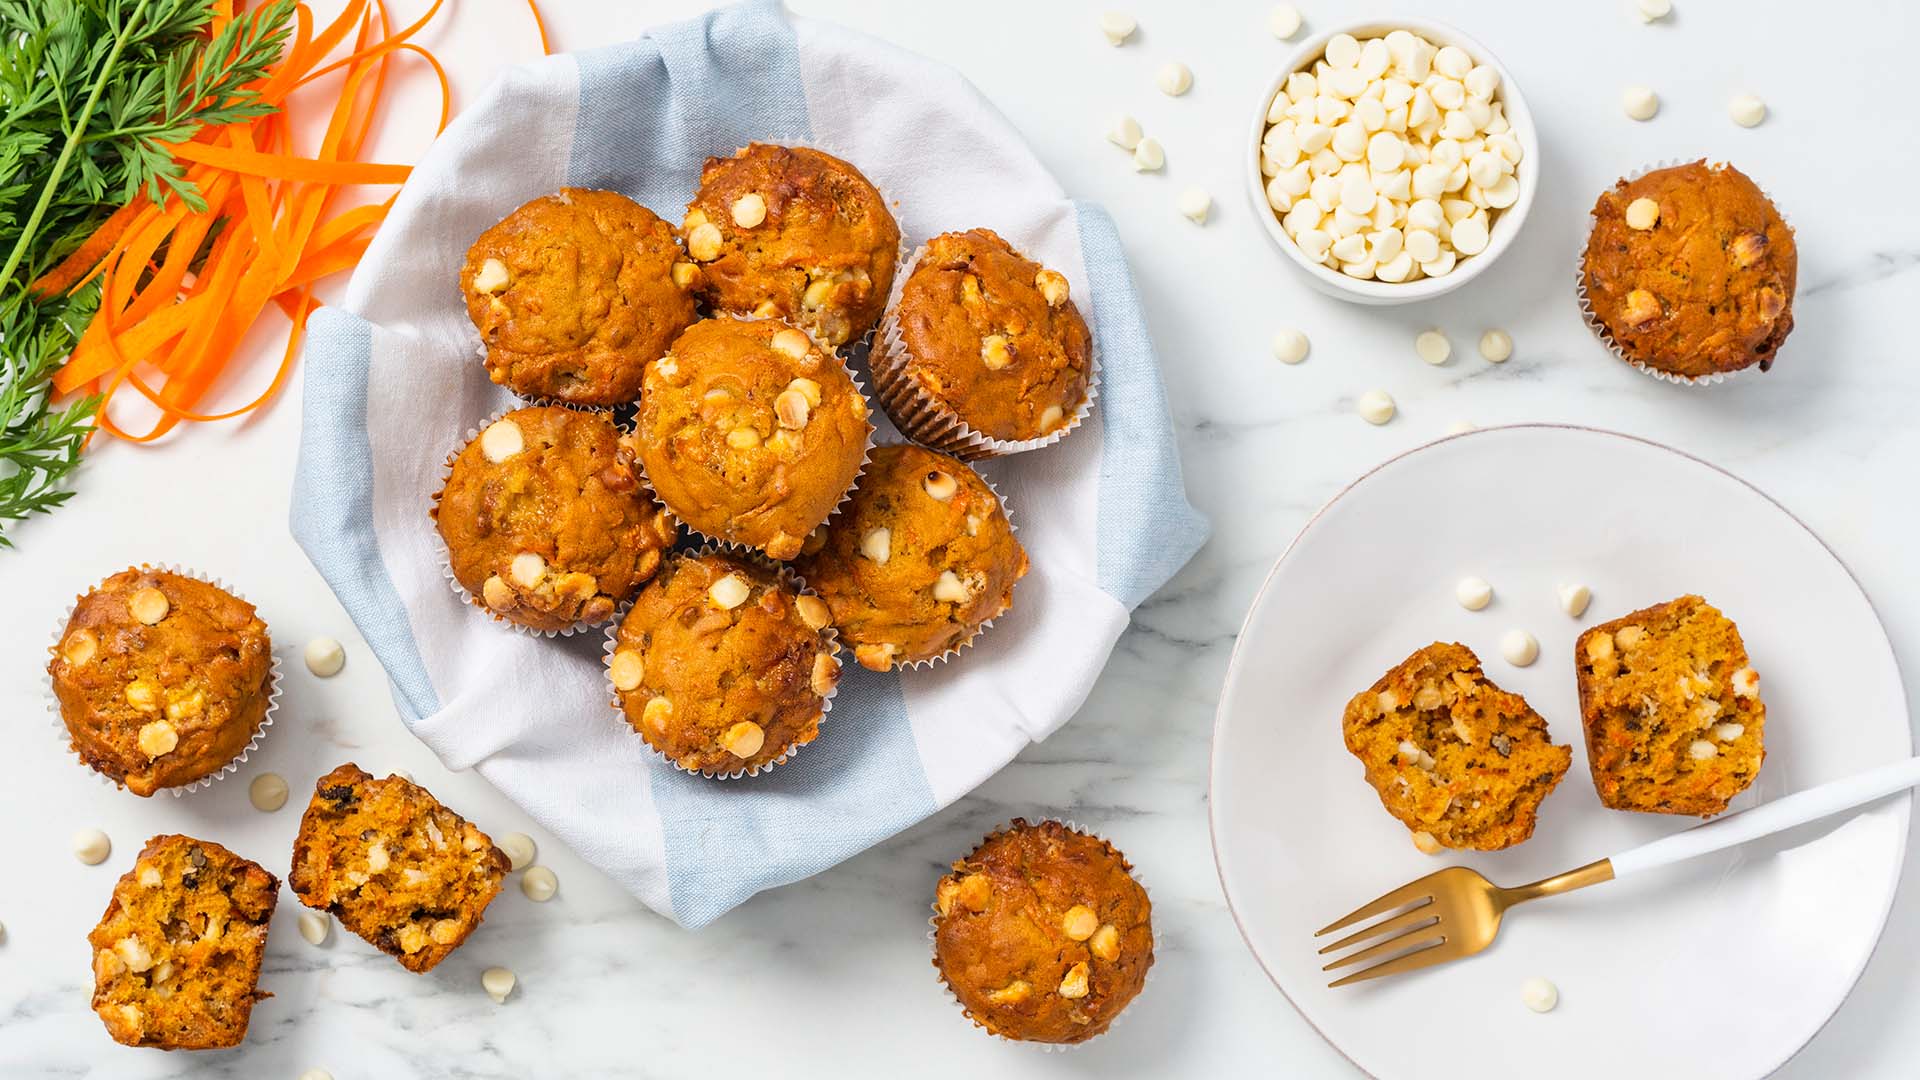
(729, 592)
(940, 487)
(1195, 204)
(1375, 407)
(315, 926)
(1074, 985)
(498, 982)
(518, 848)
(1574, 599)
(91, 846)
(1701, 749)
(527, 569)
(793, 344)
(1425, 842)
(1284, 21)
(158, 738)
(1148, 156)
(703, 243)
(792, 409)
(1651, 10)
(1729, 731)
(1433, 346)
(149, 605)
(1496, 346)
(1118, 26)
(1642, 214)
(812, 610)
(267, 792)
(1174, 79)
(744, 739)
(1473, 593)
(749, 210)
(502, 440)
(1290, 346)
(1539, 995)
(1470, 235)
(1519, 648)
(1051, 416)
(1123, 131)
(627, 669)
(1640, 103)
(491, 277)
(325, 657)
(1459, 427)
(950, 589)
(1746, 683)
(539, 883)
(877, 545)
(1747, 110)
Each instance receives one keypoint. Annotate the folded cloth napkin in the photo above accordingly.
(392, 385)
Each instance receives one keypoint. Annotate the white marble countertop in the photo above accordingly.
(830, 976)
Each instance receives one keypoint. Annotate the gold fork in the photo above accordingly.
(1455, 912)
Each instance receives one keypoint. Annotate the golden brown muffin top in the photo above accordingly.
(1456, 759)
(574, 293)
(396, 867)
(547, 521)
(1674, 720)
(791, 233)
(722, 667)
(751, 432)
(162, 678)
(1709, 288)
(1042, 933)
(922, 557)
(176, 956)
(994, 337)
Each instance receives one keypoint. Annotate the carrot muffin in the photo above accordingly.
(721, 666)
(397, 868)
(162, 679)
(790, 233)
(176, 957)
(751, 432)
(1461, 762)
(1672, 709)
(1690, 271)
(985, 337)
(547, 521)
(1042, 933)
(574, 293)
(922, 558)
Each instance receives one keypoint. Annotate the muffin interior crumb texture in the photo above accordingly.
(176, 956)
(1452, 755)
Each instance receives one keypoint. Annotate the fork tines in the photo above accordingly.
(1413, 938)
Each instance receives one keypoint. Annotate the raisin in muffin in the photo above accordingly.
(791, 233)
(921, 559)
(1459, 761)
(394, 866)
(547, 522)
(162, 679)
(721, 666)
(1672, 709)
(984, 347)
(1042, 933)
(176, 956)
(574, 293)
(751, 432)
(1707, 287)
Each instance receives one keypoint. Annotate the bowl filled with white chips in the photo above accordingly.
(1392, 161)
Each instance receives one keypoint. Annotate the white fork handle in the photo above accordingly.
(1769, 818)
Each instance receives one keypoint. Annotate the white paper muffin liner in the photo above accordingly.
(931, 423)
(440, 543)
(274, 689)
(1146, 980)
(738, 547)
(788, 578)
(1599, 329)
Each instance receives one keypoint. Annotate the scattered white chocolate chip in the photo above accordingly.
(744, 739)
(491, 277)
(1124, 131)
(1650, 10)
(526, 569)
(519, 849)
(950, 589)
(1642, 214)
(539, 884)
(1074, 985)
(325, 657)
(1290, 346)
(627, 669)
(1195, 204)
(940, 487)
(149, 605)
(703, 242)
(1053, 287)
(1473, 593)
(502, 440)
(315, 926)
(267, 792)
(1539, 995)
(1746, 683)
(1433, 346)
(1729, 731)
(1496, 346)
(158, 738)
(1426, 843)
(498, 983)
(1701, 749)
(1575, 598)
(1118, 26)
(1640, 103)
(793, 344)
(749, 210)
(1460, 427)
(1747, 110)
(729, 592)
(1519, 648)
(1148, 156)
(1174, 79)
(1284, 21)
(1375, 407)
(91, 846)
(316, 1074)
(877, 545)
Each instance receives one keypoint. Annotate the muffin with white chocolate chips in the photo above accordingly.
(722, 666)
(1042, 933)
(162, 679)
(546, 520)
(920, 560)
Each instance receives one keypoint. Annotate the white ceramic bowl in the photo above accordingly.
(1505, 226)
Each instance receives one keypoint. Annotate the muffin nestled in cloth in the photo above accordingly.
(1042, 933)
(1689, 272)
(546, 520)
(921, 559)
(162, 679)
(574, 293)
(751, 432)
(790, 233)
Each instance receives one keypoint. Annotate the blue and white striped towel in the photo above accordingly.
(392, 385)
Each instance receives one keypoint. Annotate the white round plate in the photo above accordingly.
(1724, 966)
